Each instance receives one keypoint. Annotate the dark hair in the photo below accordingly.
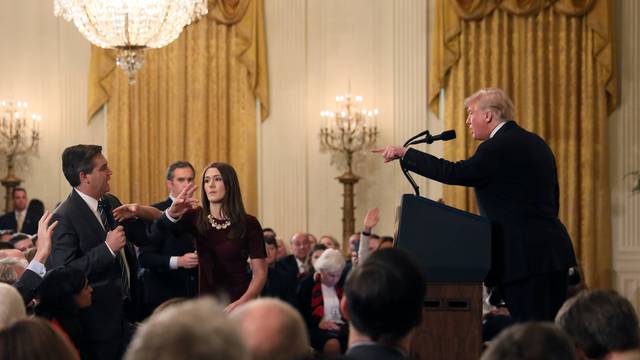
(181, 164)
(77, 159)
(35, 207)
(19, 237)
(268, 229)
(232, 205)
(57, 299)
(270, 240)
(531, 341)
(4, 245)
(35, 339)
(16, 189)
(385, 294)
(385, 239)
(600, 321)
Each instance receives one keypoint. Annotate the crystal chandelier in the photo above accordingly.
(130, 26)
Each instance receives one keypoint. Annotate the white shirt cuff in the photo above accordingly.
(111, 251)
(170, 218)
(173, 262)
(37, 267)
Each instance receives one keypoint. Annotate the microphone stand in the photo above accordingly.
(411, 141)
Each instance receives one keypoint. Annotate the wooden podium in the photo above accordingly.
(454, 249)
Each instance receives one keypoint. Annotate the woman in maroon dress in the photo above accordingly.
(226, 236)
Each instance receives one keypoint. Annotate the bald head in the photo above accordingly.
(272, 329)
(300, 245)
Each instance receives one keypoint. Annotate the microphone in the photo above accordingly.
(444, 136)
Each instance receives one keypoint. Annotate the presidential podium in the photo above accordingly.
(454, 249)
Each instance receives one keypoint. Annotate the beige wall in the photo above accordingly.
(45, 61)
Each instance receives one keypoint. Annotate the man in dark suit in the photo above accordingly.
(514, 176)
(19, 220)
(383, 300)
(170, 265)
(88, 238)
(294, 265)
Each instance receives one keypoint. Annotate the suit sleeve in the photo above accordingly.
(151, 257)
(27, 285)
(474, 171)
(66, 250)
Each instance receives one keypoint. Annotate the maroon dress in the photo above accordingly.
(222, 261)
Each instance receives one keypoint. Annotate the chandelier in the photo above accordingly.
(347, 130)
(19, 135)
(130, 26)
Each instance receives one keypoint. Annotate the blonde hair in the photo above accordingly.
(494, 100)
(330, 261)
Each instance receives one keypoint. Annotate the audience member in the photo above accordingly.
(383, 302)
(319, 302)
(22, 241)
(19, 220)
(170, 264)
(282, 249)
(11, 306)
(279, 284)
(314, 255)
(5, 235)
(63, 293)
(195, 329)
(269, 231)
(602, 325)
(368, 241)
(312, 239)
(273, 330)
(8, 269)
(35, 210)
(531, 341)
(386, 242)
(330, 242)
(294, 264)
(34, 339)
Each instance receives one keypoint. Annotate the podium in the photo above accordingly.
(454, 249)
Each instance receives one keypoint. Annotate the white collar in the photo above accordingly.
(495, 130)
(93, 203)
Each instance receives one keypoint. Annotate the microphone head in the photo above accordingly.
(448, 135)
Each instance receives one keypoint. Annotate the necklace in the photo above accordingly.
(218, 226)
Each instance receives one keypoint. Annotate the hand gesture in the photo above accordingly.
(390, 153)
(188, 260)
(45, 232)
(183, 202)
(116, 239)
(371, 220)
(126, 211)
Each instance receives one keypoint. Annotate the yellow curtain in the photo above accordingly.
(556, 60)
(194, 100)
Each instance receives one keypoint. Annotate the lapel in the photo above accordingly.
(85, 216)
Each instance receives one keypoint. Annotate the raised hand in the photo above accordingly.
(390, 153)
(371, 220)
(183, 202)
(45, 232)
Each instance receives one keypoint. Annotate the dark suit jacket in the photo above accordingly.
(516, 184)
(160, 281)
(373, 352)
(29, 226)
(79, 241)
(27, 285)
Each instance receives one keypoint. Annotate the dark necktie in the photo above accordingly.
(109, 224)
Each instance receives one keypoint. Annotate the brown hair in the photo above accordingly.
(34, 339)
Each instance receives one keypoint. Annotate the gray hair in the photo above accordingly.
(195, 329)
(272, 329)
(8, 272)
(11, 306)
(331, 261)
(493, 100)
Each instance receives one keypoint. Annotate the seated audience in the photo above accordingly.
(12, 265)
(531, 341)
(312, 239)
(279, 284)
(383, 302)
(34, 339)
(295, 264)
(273, 330)
(64, 291)
(329, 242)
(193, 329)
(602, 325)
(319, 302)
(5, 235)
(22, 241)
(316, 251)
(11, 306)
(386, 242)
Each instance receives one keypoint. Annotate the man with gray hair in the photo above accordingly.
(602, 325)
(11, 306)
(513, 172)
(272, 329)
(195, 329)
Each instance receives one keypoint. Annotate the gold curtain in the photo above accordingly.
(556, 60)
(194, 100)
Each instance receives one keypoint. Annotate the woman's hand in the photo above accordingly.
(329, 325)
(371, 220)
(183, 202)
(45, 232)
(132, 211)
